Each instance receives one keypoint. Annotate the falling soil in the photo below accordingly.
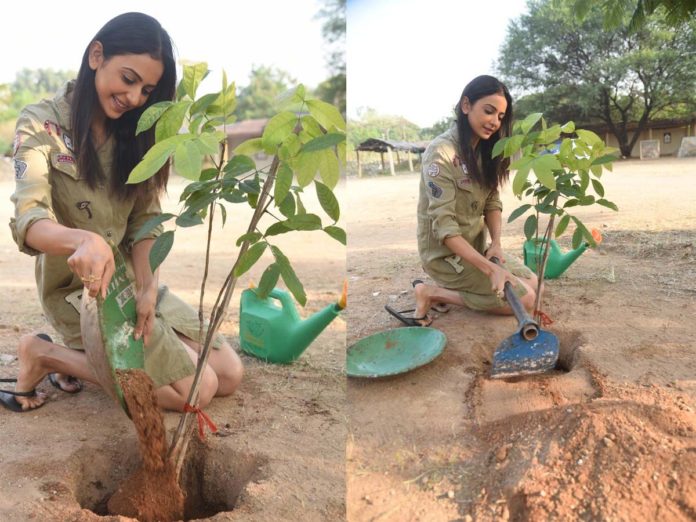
(151, 493)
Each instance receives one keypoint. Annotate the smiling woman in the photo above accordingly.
(72, 158)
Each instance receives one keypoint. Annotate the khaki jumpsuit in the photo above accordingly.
(450, 203)
(48, 186)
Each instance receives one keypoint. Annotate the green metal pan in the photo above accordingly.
(392, 352)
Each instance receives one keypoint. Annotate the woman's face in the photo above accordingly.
(123, 82)
(485, 115)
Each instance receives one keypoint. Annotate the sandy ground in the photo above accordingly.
(611, 438)
(280, 452)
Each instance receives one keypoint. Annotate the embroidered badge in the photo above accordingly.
(459, 163)
(20, 168)
(16, 144)
(65, 158)
(474, 205)
(68, 142)
(433, 170)
(464, 182)
(48, 125)
(435, 189)
(85, 205)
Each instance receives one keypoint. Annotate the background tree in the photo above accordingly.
(371, 124)
(259, 97)
(333, 89)
(676, 11)
(577, 68)
(438, 128)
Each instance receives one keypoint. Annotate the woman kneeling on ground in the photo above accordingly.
(72, 157)
(459, 204)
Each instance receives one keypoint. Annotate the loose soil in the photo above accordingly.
(152, 493)
(279, 453)
(609, 436)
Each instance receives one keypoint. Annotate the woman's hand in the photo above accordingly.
(495, 250)
(498, 277)
(93, 262)
(145, 302)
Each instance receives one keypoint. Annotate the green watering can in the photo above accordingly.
(557, 261)
(275, 333)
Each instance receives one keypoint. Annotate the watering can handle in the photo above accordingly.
(529, 329)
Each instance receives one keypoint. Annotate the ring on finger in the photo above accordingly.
(90, 279)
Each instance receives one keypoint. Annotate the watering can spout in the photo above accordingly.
(557, 262)
(277, 333)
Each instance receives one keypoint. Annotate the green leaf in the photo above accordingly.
(223, 213)
(530, 226)
(513, 145)
(603, 160)
(543, 167)
(607, 204)
(188, 160)
(598, 188)
(324, 142)
(499, 146)
(577, 238)
(171, 121)
(326, 114)
(151, 115)
(328, 168)
(201, 104)
(568, 128)
(250, 147)
(278, 128)
(251, 237)
(160, 249)
(310, 127)
(571, 203)
(292, 97)
(520, 180)
(210, 141)
(189, 220)
(304, 222)
(306, 166)
(529, 122)
(238, 165)
(250, 257)
(150, 224)
(277, 228)
(155, 158)
(589, 137)
(328, 201)
(337, 233)
(283, 182)
(193, 75)
(268, 281)
(289, 276)
(562, 225)
(582, 231)
(584, 180)
(287, 207)
(518, 212)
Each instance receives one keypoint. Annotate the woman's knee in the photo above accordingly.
(208, 387)
(230, 372)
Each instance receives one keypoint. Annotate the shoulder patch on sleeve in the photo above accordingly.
(433, 170)
(20, 168)
(435, 189)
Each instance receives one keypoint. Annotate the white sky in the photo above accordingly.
(228, 34)
(413, 57)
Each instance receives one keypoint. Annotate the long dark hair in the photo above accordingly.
(495, 170)
(129, 33)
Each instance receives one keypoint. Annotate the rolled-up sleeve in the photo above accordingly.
(441, 189)
(32, 195)
(493, 202)
(144, 209)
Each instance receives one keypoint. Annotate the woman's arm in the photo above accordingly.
(91, 257)
(146, 284)
(494, 222)
(497, 275)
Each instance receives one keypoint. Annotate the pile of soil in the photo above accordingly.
(151, 493)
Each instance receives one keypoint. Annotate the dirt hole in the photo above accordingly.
(213, 477)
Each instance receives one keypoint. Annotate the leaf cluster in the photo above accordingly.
(307, 140)
(567, 165)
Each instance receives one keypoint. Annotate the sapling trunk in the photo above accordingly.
(546, 245)
(177, 450)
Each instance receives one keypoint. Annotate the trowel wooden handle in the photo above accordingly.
(529, 329)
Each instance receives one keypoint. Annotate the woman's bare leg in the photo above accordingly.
(225, 363)
(38, 358)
